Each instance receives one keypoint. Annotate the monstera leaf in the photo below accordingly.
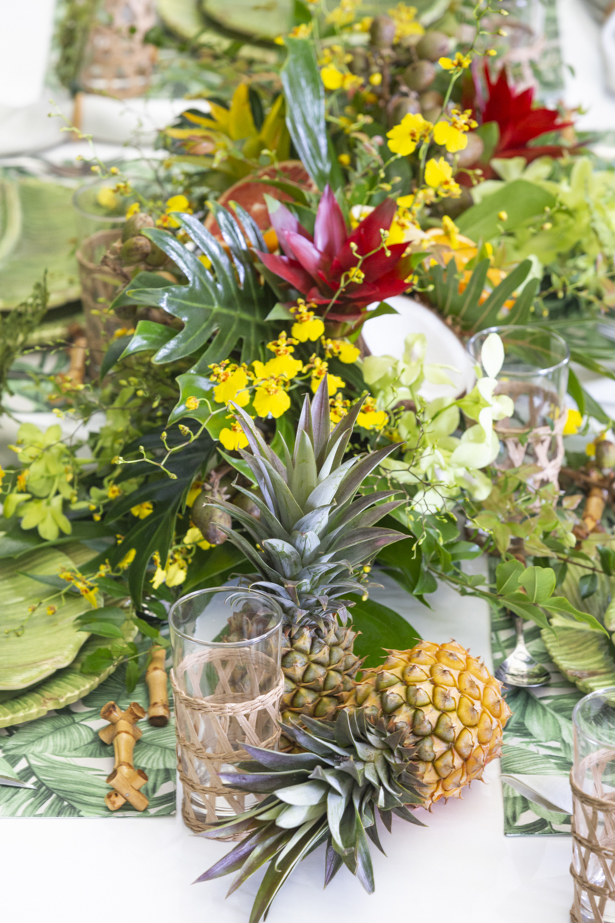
(219, 307)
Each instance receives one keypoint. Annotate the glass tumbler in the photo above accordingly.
(534, 375)
(593, 796)
(227, 683)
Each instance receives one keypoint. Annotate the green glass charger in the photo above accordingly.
(40, 653)
(38, 232)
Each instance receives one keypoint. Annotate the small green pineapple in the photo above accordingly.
(312, 536)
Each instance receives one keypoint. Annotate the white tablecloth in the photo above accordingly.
(461, 868)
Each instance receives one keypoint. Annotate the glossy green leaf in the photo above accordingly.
(538, 583)
(113, 354)
(381, 628)
(507, 576)
(148, 336)
(520, 199)
(305, 111)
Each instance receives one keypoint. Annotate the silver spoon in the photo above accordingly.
(520, 669)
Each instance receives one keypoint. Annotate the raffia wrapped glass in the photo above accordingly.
(99, 286)
(534, 375)
(592, 780)
(227, 684)
(117, 61)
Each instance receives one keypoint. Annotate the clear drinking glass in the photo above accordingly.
(593, 790)
(227, 682)
(534, 375)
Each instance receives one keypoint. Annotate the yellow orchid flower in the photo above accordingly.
(270, 397)
(459, 62)
(371, 418)
(446, 135)
(127, 559)
(574, 421)
(342, 350)
(232, 383)
(194, 536)
(320, 368)
(331, 77)
(306, 326)
(142, 510)
(233, 437)
(439, 175)
(176, 572)
(412, 129)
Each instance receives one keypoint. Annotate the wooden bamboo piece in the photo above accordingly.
(595, 503)
(158, 712)
(122, 733)
(77, 355)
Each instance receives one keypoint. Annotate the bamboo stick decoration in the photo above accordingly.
(595, 503)
(123, 734)
(158, 712)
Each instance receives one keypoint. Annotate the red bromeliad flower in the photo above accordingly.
(518, 120)
(340, 272)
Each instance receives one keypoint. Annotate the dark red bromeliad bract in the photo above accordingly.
(518, 120)
(321, 268)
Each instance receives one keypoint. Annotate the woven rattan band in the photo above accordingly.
(589, 896)
(547, 443)
(218, 710)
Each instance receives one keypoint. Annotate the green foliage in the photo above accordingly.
(15, 328)
(380, 629)
(49, 473)
(305, 116)
(520, 200)
(465, 307)
(219, 308)
(155, 533)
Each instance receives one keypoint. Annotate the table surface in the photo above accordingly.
(67, 870)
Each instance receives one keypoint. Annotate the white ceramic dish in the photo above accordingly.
(385, 336)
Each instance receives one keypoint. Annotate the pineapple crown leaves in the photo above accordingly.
(351, 770)
(311, 527)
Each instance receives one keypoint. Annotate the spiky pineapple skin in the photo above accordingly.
(450, 705)
(319, 667)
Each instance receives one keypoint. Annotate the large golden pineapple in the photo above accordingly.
(451, 706)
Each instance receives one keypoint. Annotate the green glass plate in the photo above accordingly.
(36, 644)
(257, 19)
(38, 233)
(63, 688)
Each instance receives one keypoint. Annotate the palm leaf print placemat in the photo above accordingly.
(538, 736)
(62, 755)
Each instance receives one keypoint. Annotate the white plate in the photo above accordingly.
(385, 336)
